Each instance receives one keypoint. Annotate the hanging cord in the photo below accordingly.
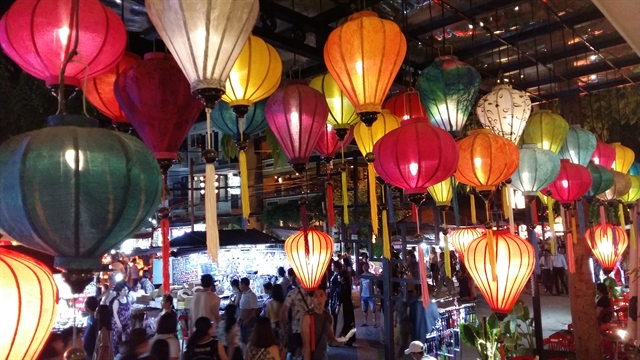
(75, 15)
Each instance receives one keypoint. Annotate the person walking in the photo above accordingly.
(121, 309)
(103, 349)
(202, 342)
(546, 264)
(248, 311)
(206, 303)
(348, 317)
(366, 295)
(559, 269)
(299, 302)
(263, 344)
(317, 329)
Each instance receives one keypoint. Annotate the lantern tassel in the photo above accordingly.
(386, 243)
(472, 199)
(447, 253)
(569, 243)
(492, 254)
(390, 204)
(244, 176)
(211, 207)
(166, 280)
(345, 199)
(330, 212)
(623, 224)
(512, 222)
(603, 217)
(373, 198)
(416, 215)
(305, 228)
(424, 285)
(505, 201)
(551, 224)
(633, 234)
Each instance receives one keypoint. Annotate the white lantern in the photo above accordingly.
(505, 111)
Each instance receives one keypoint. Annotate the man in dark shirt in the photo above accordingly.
(91, 331)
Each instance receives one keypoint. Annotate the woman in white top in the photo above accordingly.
(167, 325)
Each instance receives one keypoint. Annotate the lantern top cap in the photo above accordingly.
(479, 131)
(363, 14)
(156, 55)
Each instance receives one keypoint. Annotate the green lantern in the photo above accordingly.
(537, 169)
(76, 191)
(578, 146)
(448, 90)
(601, 180)
(224, 119)
(547, 130)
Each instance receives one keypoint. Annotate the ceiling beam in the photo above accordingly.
(288, 44)
(591, 87)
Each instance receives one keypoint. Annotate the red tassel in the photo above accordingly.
(534, 211)
(305, 228)
(330, 211)
(424, 285)
(313, 332)
(166, 280)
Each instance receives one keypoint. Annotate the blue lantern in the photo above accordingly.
(635, 169)
(224, 119)
(538, 168)
(578, 146)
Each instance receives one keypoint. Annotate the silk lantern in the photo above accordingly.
(537, 169)
(607, 244)
(621, 185)
(205, 37)
(515, 261)
(462, 237)
(405, 105)
(633, 194)
(604, 155)
(547, 130)
(442, 192)
(224, 119)
(505, 111)
(342, 114)
(328, 144)
(624, 158)
(309, 255)
(99, 91)
(39, 35)
(578, 146)
(601, 180)
(448, 90)
(364, 55)
(635, 169)
(573, 181)
(29, 300)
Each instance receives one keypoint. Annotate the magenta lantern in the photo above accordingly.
(572, 182)
(415, 156)
(38, 36)
(604, 155)
(328, 144)
(297, 115)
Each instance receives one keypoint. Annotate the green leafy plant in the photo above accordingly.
(483, 336)
(517, 331)
(279, 157)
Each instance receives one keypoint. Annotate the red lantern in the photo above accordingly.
(405, 105)
(328, 144)
(515, 260)
(156, 97)
(38, 36)
(297, 115)
(100, 92)
(309, 262)
(572, 182)
(461, 238)
(607, 244)
(604, 155)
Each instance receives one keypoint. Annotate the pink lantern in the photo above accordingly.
(328, 144)
(604, 155)
(572, 182)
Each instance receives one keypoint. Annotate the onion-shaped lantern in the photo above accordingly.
(442, 192)
(224, 119)
(99, 92)
(515, 260)
(624, 158)
(342, 115)
(29, 301)
(607, 244)
(448, 90)
(547, 130)
(537, 169)
(328, 144)
(309, 255)
(38, 36)
(505, 111)
(601, 180)
(621, 185)
(572, 182)
(635, 169)
(297, 114)
(578, 146)
(486, 160)
(405, 105)
(364, 55)
(386, 122)
(604, 155)
(205, 37)
(633, 194)
(462, 237)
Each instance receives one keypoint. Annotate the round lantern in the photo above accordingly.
(635, 169)
(515, 260)
(604, 155)
(342, 115)
(448, 90)
(607, 244)
(442, 192)
(601, 180)
(405, 105)
(155, 97)
(537, 169)
(364, 55)
(634, 192)
(38, 36)
(76, 192)
(328, 144)
(578, 146)
(205, 38)
(224, 119)
(309, 255)
(297, 115)
(572, 182)
(29, 301)
(505, 111)
(365, 140)
(415, 156)
(624, 158)
(621, 185)
(546, 130)
(462, 237)
(99, 91)
(486, 159)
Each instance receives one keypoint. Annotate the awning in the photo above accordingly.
(198, 239)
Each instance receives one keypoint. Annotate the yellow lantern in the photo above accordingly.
(442, 192)
(633, 194)
(342, 114)
(621, 186)
(624, 158)
(546, 130)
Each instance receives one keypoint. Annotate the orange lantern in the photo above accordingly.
(309, 255)
(364, 55)
(515, 260)
(461, 238)
(607, 244)
(29, 301)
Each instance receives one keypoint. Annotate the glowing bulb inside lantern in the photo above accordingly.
(337, 103)
(613, 165)
(477, 162)
(359, 67)
(405, 117)
(413, 167)
(329, 127)
(63, 34)
(596, 160)
(70, 157)
(525, 176)
(234, 78)
(565, 184)
(545, 145)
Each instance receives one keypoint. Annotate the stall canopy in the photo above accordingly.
(195, 241)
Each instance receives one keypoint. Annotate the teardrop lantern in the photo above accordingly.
(624, 158)
(442, 192)
(224, 119)
(329, 144)
(578, 146)
(601, 180)
(405, 104)
(572, 182)
(621, 185)
(309, 255)
(547, 130)
(505, 111)
(462, 237)
(633, 194)
(604, 155)
(342, 115)
(607, 244)
(537, 169)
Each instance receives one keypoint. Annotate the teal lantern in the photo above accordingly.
(537, 169)
(578, 146)
(601, 180)
(76, 191)
(448, 90)
(224, 119)
(635, 169)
